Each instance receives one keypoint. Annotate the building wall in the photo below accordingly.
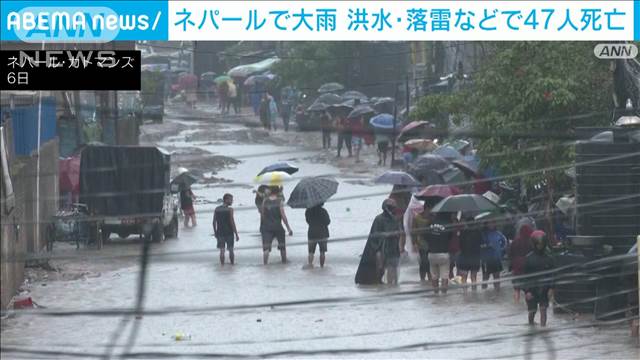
(20, 231)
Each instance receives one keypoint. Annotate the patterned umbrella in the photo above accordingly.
(275, 178)
(311, 192)
(414, 129)
(330, 87)
(281, 166)
(465, 203)
(421, 144)
(397, 178)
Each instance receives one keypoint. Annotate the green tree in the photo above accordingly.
(531, 95)
(307, 65)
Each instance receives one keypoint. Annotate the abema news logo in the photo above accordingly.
(112, 20)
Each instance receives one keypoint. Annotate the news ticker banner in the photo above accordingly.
(102, 21)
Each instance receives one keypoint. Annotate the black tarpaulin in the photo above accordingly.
(123, 180)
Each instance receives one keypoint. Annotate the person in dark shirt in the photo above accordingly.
(382, 248)
(318, 234)
(272, 217)
(470, 252)
(438, 237)
(538, 287)
(224, 228)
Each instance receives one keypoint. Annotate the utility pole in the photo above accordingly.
(407, 94)
(395, 124)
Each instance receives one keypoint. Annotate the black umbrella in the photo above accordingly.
(466, 203)
(330, 87)
(427, 169)
(281, 166)
(397, 178)
(184, 179)
(318, 106)
(384, 105)
(311, 192)
(361, 110)
(329, 99)
(353, 94)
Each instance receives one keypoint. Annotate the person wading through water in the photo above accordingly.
(273, 216)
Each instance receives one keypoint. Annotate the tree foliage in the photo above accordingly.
(307, 65)
(533, 94)
(526, 100)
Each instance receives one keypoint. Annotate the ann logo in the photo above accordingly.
(615, 51)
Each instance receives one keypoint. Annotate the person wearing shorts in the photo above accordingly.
(318, 219)
(186, 204)
(382, 141)
(224, 228)
(273, 216)
(438, 237)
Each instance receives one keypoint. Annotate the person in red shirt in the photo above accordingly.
(518, 251)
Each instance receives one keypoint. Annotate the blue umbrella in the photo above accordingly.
(397, 178)
(281, 166)
(382, 121)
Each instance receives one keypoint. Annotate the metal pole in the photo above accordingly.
(637, 323)
(36, 245)
(407, 94)
(393, 131)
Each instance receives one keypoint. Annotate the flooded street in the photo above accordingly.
(282, 310)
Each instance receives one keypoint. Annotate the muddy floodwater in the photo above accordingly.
(253, 310)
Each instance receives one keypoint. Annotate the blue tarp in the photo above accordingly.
(25, 125)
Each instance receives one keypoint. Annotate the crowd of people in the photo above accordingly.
(449, 245)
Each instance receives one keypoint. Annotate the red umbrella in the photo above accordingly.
(440, 191)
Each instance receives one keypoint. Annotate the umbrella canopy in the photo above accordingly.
(397, 178)
(426, 168)
(421, 144)
(469, 169)
(460, 145)
(311, 192)
(250, 69)
(353, 94)
(384, 104)
(318, 106)
(448, 152)
(274, 178)
(453, 175)
(330, 87)
(466, 203)
(281, 166)
(184, 179)
(361, 110)
(413, 130)
(259, 79)
(208, 76)
(222, 78)
(382, 121)
(329, 99)
(342, 107)
(437, 191)
(431, 162)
